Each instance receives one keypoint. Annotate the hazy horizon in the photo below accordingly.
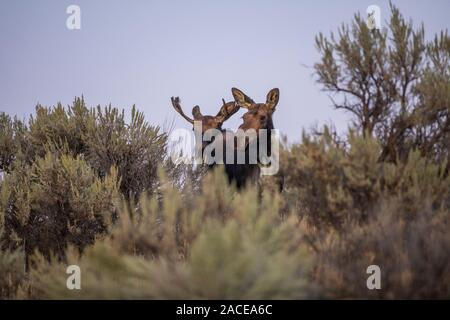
(144, 52)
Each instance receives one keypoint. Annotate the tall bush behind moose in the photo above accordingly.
(395, 85)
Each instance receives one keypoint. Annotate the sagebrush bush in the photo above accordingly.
(80, 186)
(336, 184)
(11, 139)
(57, 201)
(12, 270)
(195, 248)
(412, 253)
(341, 210)
(394, 83)
(136, 149)
(59, 126)
(361, 211)
(101, 135)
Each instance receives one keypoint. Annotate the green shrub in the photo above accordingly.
(59, 126)
(12, 270)
(11, 140)
(136, 149)
(55, 202)
(393, 82)
(195, 248)
(413, 255)
(337, 184)
(102, 136)
(361, 211)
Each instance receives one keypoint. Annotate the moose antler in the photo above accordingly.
(176, 105)
(227, 110)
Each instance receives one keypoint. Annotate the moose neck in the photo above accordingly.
(209, 147)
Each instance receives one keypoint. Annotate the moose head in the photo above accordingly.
(207, 122)
(259, 115)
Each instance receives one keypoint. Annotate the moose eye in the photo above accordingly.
(263, 118)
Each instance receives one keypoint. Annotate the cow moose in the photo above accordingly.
(256, 119)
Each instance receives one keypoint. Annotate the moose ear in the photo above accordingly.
(196, 113)
(272, 98)
(242, 99)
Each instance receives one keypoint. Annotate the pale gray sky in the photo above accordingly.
(144, 52)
